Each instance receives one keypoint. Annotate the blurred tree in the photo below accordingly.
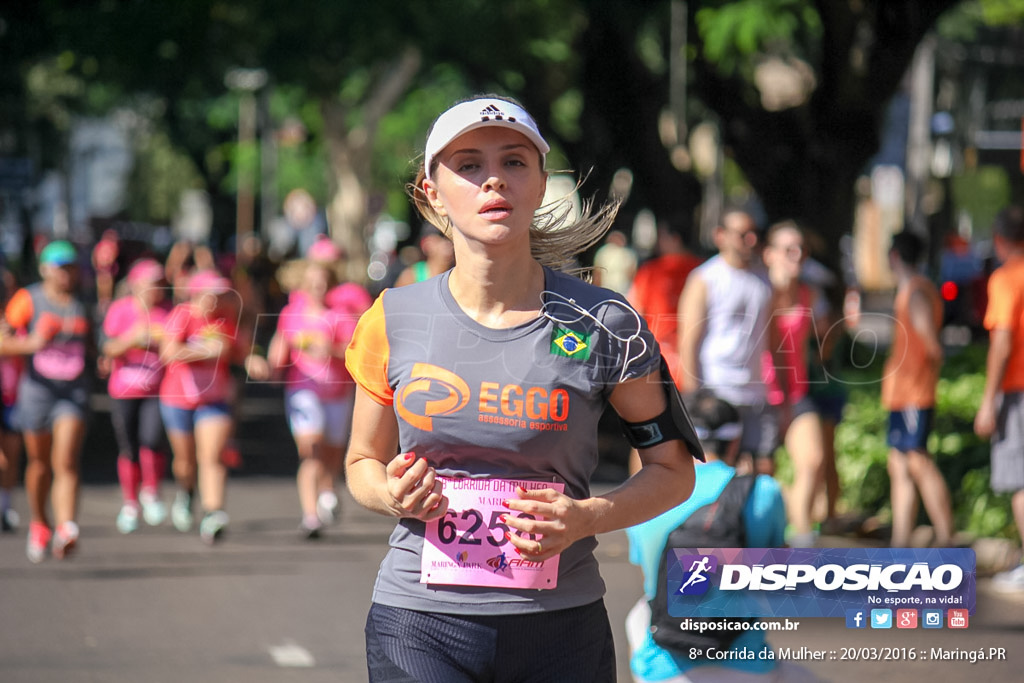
(801, 89)
(799, 86)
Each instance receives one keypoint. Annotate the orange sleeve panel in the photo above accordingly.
(19, 310)
(1003, 311)
(368, 354)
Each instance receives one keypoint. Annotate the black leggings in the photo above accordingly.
(564, 646)
(137, 423)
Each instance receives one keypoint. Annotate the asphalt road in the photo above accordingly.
(268, 606)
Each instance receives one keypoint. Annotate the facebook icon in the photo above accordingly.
(856, 618)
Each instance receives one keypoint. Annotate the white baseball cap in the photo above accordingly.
(484, 111)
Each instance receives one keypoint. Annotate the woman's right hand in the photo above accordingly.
(413, 489)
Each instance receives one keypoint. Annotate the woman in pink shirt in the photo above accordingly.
(11, 368)
(791, 331)
(200, 342)
(309, 349)
(132, 330)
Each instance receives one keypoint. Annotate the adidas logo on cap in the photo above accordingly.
(466, 116)
(492, 111)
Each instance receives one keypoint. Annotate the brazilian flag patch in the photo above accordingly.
(570, 344)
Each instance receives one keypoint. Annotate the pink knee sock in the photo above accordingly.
(153, 464)
(129, 475)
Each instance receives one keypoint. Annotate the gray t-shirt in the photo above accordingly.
(516, 403)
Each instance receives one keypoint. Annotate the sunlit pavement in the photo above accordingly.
(267, 605)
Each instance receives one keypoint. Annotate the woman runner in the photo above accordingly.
(309, 346)
(794, 308)
(200, 342)
(488, 381)
(53, 395)
(132, 331)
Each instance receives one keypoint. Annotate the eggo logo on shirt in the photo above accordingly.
(535, 403)
(424, 375)
(511, 405)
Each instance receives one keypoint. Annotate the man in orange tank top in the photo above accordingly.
(908, 391)
(1001, 415)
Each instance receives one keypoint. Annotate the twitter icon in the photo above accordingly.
(881, 618)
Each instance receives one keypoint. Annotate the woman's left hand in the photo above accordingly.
(560, 522)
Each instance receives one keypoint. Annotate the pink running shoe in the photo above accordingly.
(39, 536)
(65, 540)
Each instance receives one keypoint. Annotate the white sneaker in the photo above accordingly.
(212, 527)
(128, 518)
(9, 520)
(327, 507)
(311, 526)
(154, 511)
(181, 512)
(39, 536)
(1011, 581)
(65, 540)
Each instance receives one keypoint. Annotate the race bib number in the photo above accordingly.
(467, 547)
(62, 361)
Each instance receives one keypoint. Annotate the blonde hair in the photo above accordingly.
(781, 226)
(554, 242)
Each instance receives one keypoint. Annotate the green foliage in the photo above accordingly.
(982, 192)
(402, 133)
(53, 92)
(964, 22)
(565, 114)
(650, 48)
(734, 31)
(1002, 12)
(733, 180)
(963, 458)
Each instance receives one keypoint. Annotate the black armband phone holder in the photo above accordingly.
(673, 424)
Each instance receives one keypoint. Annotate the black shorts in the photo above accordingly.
(760, 435)
(564, 646)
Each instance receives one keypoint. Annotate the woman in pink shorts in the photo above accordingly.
(309, 349)
(200, 343)
(132, 330)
